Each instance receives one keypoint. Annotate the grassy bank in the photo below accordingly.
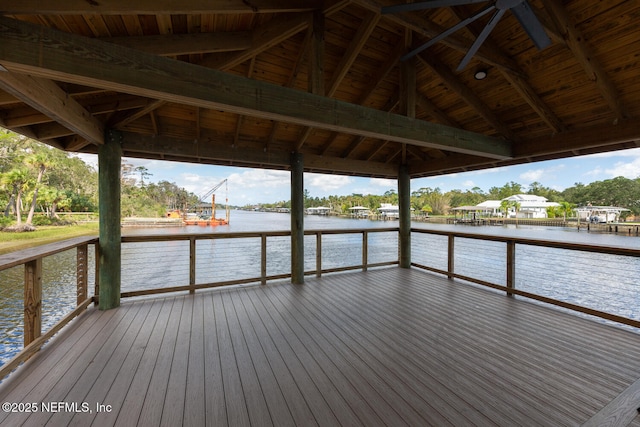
(10, 242)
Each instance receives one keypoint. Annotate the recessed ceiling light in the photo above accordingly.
(480, 75)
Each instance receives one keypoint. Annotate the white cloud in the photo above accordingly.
(533, 175)
(633, 152)
(260, 178)
(468, 184)
(327, 182)
(383, 182)
(629, 170)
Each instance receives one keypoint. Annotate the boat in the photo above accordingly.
(194, 219)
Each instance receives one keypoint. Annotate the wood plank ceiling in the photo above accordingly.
(247, 83)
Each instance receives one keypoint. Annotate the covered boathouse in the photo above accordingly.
(376, 88)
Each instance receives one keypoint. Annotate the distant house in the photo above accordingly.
(531, 206)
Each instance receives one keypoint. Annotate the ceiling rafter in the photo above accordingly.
(148, 108)
(263, 38)
(186, 44)
(586, 57)
(374, 81)
(119, 69)
(357, 43)
(45, 96)
(154, 7)
(467, 95)
(291, 81)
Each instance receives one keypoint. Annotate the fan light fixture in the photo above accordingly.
(480, 74)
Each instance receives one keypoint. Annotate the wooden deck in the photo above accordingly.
(386, 347)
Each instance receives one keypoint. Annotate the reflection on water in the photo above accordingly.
(603, 282)
(58, 298)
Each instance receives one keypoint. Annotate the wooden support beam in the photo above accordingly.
(186, 44)
(151, 106)
(207, 150)
(109, 158)
(404, 206)
(29, 48)
(316, 54)
(46, 97)
(297, 219)
(264, 37)
(154, 7)
(357, 43)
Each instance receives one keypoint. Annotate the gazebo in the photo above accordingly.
(373, 88)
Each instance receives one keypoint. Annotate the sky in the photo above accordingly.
(247, 186)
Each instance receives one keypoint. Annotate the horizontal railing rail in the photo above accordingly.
(266, 257)
(261, 246)
(511, 274)
(32, 259)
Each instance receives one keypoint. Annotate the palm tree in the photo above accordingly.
(41, 162)
(18, 179)
(565, 208)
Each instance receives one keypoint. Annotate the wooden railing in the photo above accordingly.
(31, 259)
(511, 276)
(262, 277)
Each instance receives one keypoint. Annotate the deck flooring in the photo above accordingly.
(386, 347)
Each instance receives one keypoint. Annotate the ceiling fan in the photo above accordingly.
(520, 9)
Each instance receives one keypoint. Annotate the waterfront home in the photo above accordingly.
(369, 88)
(530, 206)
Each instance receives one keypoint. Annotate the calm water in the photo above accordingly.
(598, 281)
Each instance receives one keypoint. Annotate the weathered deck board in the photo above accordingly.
(389, 346)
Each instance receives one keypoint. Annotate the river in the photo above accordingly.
(602, 282)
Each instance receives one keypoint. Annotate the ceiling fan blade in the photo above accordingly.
(426, 5)
(448, 32)
(481, 38)
(531, 24)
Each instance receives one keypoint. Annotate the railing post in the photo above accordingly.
(96, 285)
(263, 259)
(318, 253)
(365, 249)
(192, 265)
(450, 256)
(82, 269)
(32, 300)
(511, 265)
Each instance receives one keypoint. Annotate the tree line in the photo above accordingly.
(38, 179)
(620, 192)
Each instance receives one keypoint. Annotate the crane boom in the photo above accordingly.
(212, 190)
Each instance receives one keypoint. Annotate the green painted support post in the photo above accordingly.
(404, 206)
(109, 158)
(297, 219)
